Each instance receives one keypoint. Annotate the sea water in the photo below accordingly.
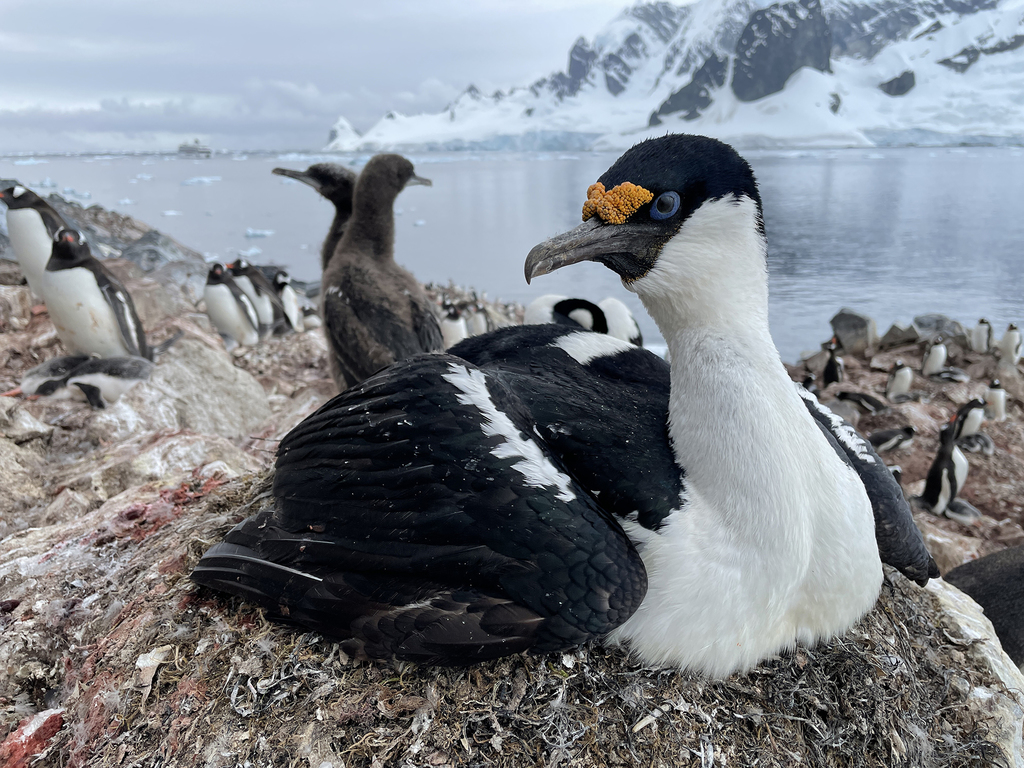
(889, 232)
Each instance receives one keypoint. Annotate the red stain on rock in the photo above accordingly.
(174, 564)
(31, 738)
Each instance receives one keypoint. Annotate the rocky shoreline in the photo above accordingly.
(110, 656)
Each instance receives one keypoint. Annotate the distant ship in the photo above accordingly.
(195, 149)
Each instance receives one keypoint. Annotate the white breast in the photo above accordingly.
(1010, 346)
(979, 338)
(111, 387)
(453, 331)
(84, 321)
(960, 468)
(995, 401)
(973, 422)
(292, 310)
(227, 316)
(934, 360)
(31, 243)
(900, 383)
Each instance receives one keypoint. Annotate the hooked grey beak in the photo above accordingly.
(419, 180)
(590, 241)
(298, 176)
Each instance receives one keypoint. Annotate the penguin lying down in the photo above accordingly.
(96, 380)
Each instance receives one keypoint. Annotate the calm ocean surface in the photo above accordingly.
(893, 232)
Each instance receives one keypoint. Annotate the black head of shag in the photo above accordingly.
(332, 180)
(681, 173)
(70, 250)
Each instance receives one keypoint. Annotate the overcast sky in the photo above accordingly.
(131, 74)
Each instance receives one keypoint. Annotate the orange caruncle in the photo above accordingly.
(615, 205)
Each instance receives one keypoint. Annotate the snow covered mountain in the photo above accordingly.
(789, 73)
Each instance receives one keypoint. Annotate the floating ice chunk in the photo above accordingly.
(126, 201)
(31, 161)
(399, 211)
(196, 180)
(170, 213)
(143, 176)
(250, 252)
(250, 232)
(419, 223)
(240, 157)
(46, 183)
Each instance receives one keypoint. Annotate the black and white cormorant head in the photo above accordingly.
(679, 219)
(70, 250)
(335, 182)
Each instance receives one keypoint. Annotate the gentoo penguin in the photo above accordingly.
(290, 308)
(261, 293)
(32, 223)
(947, 474)
(996, 583)
(230, 310)
(621, 323)
(897, 388)
(834, 367)
(982, 336)
(555, 308)
(477, 321)
(866, 403)
(890, 439)
(97, 380)
(375, 312)
(967, 428)
(543, 486)
(809, 383)
(934, 359)
(90, 309)
(453, 324)
(49, 377)
(103, 380)
(995, 401)
(336, 183)
(1009, 345)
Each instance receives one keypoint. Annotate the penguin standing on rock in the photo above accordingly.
(335, 183)
(1010, 344)
(982, 336)
(834, 366)
(375, 312)
(261, 293)
(91, 310)
(289, 309)
(897, 388)
(934, 359)
(32, 223)
(453, 324)
(946, 479)
(967, 425)
(995, 401)
(230, 310)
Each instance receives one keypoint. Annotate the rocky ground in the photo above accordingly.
(110, 656)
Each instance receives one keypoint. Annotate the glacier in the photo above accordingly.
(759, 75)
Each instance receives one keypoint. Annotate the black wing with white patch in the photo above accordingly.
(607, 419)
(900, 543)
(417, 516)
(121, 303)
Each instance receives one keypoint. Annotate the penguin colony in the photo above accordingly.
(500, 531)
(449, 508)
(92, 312)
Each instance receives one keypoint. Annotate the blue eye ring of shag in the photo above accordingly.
(666, 206)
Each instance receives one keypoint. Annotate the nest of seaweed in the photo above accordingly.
(182, 671)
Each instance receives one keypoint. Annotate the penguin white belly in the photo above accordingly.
(292, 310)
(31, 243)
(453, 331)
(227, 316)
(111, 387)
(960, 468)
(901, 381)
(84, 321)
(264, 309)
(995, 402)
(477, 323)
(979, 338)
(934, 360)
(1010, 347)
(972, 424)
